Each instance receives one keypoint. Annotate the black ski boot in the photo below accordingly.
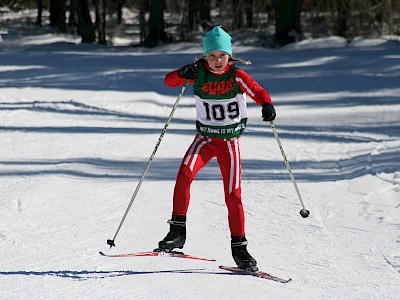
(176, 236)
(240, 255)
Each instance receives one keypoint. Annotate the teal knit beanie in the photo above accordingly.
(217, 39)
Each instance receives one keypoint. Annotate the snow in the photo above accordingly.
(79, 123)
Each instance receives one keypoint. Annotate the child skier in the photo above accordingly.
(220, 90)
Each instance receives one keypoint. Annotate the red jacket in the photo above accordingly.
(246, 83)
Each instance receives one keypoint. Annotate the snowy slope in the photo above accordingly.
(78, 124)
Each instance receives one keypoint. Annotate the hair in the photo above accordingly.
(237, 59)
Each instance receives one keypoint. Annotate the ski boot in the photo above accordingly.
(176, 236)
(240, 255)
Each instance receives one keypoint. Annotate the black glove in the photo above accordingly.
(189, 71)
(268, 112)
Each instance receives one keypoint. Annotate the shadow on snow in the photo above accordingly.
(166, 169)
(87, 275)
(123, 69)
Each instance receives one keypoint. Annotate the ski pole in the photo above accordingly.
(303, 212)
(111, 242)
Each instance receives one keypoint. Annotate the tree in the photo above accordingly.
(241, 8)
(195, 15)
(85, 22)
(100, 7)
(249, 12)
(156, 23)
(237, 14)
(287, 21)
(120, 4)
(343, 10)
(388, 16)
(39, 12)
(142, 21)
(205, 12)
(57, 15)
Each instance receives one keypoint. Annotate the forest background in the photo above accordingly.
(269, 23)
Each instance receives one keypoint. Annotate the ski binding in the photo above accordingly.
(158, 252)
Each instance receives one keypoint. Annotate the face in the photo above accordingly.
(217, 60)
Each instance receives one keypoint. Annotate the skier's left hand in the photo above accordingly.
(268, 112)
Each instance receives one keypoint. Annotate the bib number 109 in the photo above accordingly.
(220, 112)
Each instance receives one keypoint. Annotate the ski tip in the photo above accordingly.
(102, 253)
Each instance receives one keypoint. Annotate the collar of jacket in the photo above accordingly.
(228, 68)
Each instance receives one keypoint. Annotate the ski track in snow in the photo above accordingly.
(79, 122)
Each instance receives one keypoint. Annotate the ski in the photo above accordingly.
(158, 253)
(258, 274)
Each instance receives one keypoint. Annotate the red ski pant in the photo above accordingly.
(201, 151)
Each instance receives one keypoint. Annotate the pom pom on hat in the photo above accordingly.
(217, 39)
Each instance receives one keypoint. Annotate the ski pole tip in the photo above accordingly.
(111, 243)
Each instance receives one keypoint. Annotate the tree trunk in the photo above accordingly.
(249, 13)
(237, 8)
(198, 13)
(39, 13)
(343, 9)
(205, 14)
(101, 21)
(287, 21)
(57, 14)
(156, 24)
(388, 16)
(241, 8)
(85, 22)
(120, 4)
(142, 21)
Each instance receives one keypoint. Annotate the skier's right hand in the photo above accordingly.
(189, 71)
